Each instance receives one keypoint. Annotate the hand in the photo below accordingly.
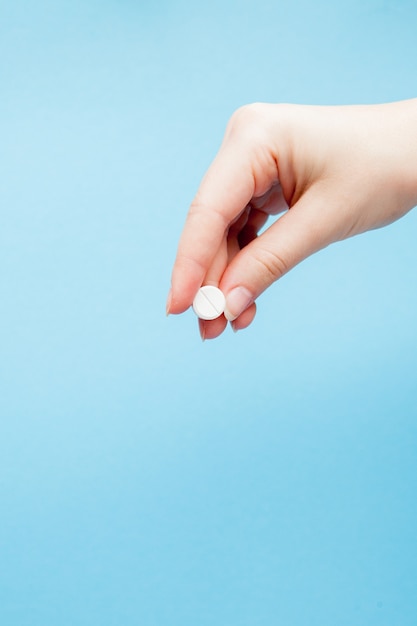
(331, 172)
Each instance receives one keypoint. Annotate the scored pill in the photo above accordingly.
(209, 302)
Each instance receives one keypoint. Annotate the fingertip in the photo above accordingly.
(181, 296)
(187, 277)
(210, 329)
(245, 319)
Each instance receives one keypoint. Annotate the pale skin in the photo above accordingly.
(327, 172)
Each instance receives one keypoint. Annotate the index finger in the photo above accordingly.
(224, 193)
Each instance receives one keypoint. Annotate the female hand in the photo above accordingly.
(331, 172)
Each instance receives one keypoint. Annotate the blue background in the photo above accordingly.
(148, 479)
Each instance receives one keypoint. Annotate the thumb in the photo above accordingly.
(306, 228)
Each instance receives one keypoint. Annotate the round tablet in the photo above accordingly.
(209, 302)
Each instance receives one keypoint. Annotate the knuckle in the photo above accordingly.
(190, 264)
(272, 264)
(245, 117)
(206, 216)
(197, 205)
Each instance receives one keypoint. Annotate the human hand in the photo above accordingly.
(332, 172)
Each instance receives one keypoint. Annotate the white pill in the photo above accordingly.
(209, 302)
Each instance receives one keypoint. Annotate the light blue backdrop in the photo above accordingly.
(146, 479)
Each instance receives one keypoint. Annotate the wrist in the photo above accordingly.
(401, 143)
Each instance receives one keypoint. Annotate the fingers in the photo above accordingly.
(239, 191)
(244, 318)
(272, 202)
(245, 167)
(213, 328)
(300, 232)
(249, 231)
(210, 329)
(224, 193)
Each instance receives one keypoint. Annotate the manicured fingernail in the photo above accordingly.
(237, 301)
(169, 300)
